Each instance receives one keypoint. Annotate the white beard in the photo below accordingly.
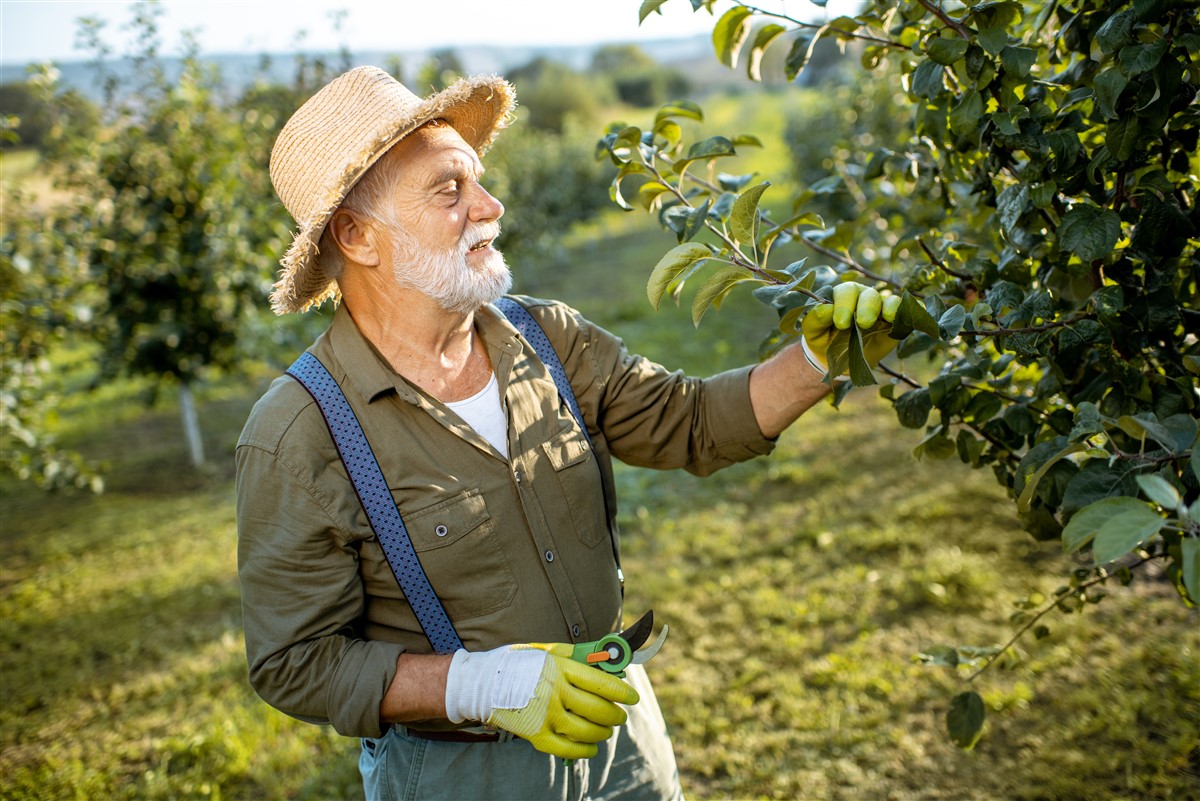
(446, 277)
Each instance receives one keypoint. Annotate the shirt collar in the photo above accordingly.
(365, 372)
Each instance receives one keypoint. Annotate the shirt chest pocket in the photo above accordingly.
(457, 545)
(579, 479)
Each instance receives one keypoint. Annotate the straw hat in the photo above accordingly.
(335, 137)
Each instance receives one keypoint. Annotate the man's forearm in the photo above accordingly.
(783, 388)
(418, 690)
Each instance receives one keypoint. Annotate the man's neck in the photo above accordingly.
(429, 346)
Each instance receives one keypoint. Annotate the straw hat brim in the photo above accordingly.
(478, 108)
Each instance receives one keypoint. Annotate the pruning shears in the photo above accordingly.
(613, 653)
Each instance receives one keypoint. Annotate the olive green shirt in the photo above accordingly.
(518, 550)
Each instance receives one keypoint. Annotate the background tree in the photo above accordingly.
(442, 68)
(177, 243)
(1039, 218)
(638, 79)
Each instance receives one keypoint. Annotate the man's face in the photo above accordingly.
(446, 223)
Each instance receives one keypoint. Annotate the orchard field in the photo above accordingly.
(801, 589)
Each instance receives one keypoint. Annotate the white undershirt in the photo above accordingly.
(483, 412)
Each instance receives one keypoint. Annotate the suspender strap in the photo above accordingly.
(377, 500)
(529, 328)
(523, 321)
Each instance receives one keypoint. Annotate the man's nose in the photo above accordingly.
(485, 207)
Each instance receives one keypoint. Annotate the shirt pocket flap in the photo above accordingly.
(447, 522)
(566, 451)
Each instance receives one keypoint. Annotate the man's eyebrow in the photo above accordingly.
(455, 171)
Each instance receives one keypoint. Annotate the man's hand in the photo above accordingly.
(855, 303)
(538, 693)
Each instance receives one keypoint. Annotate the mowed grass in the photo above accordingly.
(798, 589)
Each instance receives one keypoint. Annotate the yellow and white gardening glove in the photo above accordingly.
(538, 693)
(865, 306)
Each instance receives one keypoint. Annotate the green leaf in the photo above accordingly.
(1084, 524)
(837, 355)
(1139, 58)
(912, 316)
(1018, 60)
(1189, 551)
(1098, 480)
(709, 148)
(964, 721)
(766, 34)
(927, 80)
(715, 289)
(951, 322)
(798, 54)
(1011, 204)
(1089, 232)
(729, 33)
(696, 219)
(860, 370)
(1107, 87)
(743, 220)
(671, 265)
(965, 116)
(648, 8)
(1124, 531)
(649, 191)
(1116, 32)
(913, 408)
(1026, 498)
(1177, 433)
(670, 131)
(1121, 137)
(679, 108)
(946, 51)
(1160, 491)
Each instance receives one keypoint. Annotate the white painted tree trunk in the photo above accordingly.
(191, 425)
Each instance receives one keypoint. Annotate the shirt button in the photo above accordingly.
(441, 531)
(575, 630)
(549, 556)
(517, 476)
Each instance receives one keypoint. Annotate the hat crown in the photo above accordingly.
(351, 115)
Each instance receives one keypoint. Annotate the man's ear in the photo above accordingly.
(354, 237)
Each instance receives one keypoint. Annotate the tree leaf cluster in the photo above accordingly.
(1036, 209)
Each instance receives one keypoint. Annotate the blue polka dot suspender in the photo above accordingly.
(371, 486)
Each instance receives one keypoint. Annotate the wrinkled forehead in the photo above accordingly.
(433, 154)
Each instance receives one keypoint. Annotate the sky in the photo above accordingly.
(44, 30)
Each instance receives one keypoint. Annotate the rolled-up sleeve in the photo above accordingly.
(650, 416)
(302, 600)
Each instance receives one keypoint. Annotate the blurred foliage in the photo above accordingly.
(44, 294)
(636, 77)
(29, 120)
(1038, 215)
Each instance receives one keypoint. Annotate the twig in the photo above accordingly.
(941, 265)
(1045, 610)
(947, 19)
(816, 26)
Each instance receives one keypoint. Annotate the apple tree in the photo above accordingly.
(1037, 213)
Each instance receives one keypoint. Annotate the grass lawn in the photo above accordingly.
(798, 589)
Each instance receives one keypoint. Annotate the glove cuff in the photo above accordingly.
(812, 358)
(478, 684)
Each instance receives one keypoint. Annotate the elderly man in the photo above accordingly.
(433, 612)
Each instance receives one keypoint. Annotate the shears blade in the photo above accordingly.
(641, 657)
(639, 632)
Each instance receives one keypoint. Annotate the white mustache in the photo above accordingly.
(477, 235)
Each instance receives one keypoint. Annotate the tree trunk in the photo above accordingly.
(191, 425)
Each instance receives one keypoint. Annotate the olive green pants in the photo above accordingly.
(635, 763)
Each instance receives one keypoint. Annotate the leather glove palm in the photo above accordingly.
(857, 304)
(538, 693)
